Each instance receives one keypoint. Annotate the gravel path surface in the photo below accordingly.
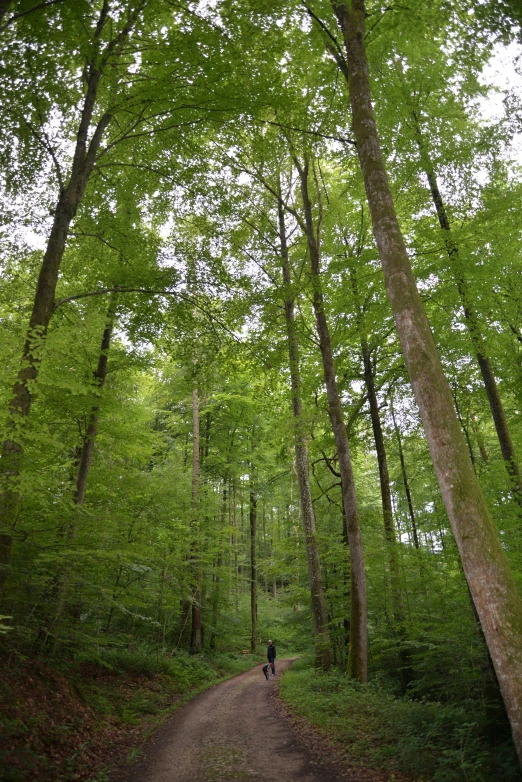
(231, 732)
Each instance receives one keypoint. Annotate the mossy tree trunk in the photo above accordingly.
(405, 481)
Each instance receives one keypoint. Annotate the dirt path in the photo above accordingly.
(231, 732)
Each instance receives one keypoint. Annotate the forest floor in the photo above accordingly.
(240, 730)
(84, 723)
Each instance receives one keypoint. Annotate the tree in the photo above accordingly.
(485, 564)
(301, 455)
(102, 55)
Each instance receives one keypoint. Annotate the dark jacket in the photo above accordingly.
(271, 653)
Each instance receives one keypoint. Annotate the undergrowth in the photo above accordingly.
(372, 728)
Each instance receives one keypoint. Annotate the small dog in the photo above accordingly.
(267, 670)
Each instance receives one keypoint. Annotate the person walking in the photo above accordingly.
(271, 655)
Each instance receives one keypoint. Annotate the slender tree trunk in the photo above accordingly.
(114, 593)
(87, 449)
(253, 566)
(100, 376)
(217, 579)
(406, 670)
(478, 437)
(272, 538)
(195, 636)
(358, 653)
(405, 481)
(215, 601)
(235, 541)
(382, 461)
(265, 547)
(322, 640)
(484, 561)
(473, 325)
(464, 428)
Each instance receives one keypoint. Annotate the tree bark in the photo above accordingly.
(463, 427)
(320, 622)
(235, 546)
(253, 566)
(265, 548)
(484, 561)
(473, 326)
(358, 652)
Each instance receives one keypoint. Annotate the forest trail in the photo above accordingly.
(231, 732)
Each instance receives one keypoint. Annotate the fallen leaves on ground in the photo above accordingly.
(49, 733)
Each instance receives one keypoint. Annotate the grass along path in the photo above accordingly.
(371, 729)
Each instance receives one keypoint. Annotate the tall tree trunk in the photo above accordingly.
(265, 548)
(405, 481)
(463, 426)
(406, 672)
(87, 449)
(382, 461)
(484, 561)
(478, 437)
(217, 579)
(253, 565)
(92, 427)
(235, 545)
(320, 622)
(472, 324)
(272, 538)
(69, 199)
(358, 653)
(195, 635)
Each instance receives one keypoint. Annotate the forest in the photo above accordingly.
(261, 341)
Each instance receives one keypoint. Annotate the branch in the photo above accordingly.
(324, 28)
(342, 139)
(29, 11)
(260, 178)
(48, 148)
(328, 464)
(103, 291)
(151, 292)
